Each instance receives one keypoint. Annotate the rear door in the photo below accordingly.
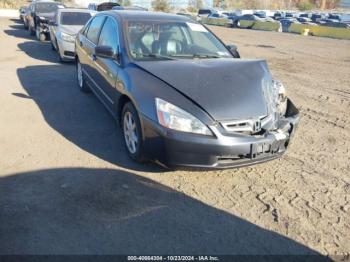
(106, 68)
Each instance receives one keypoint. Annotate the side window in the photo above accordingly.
(86, 29)
(94, 29)
(176, 34)
(109, 34)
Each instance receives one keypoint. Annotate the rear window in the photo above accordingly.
(204, 11)
(47, 7)
(74, 18)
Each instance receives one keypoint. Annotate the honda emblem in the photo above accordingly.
(257, 126)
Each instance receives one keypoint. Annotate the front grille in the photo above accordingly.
(246, 126)
(68, 53)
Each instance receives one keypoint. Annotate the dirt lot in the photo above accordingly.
(67, 186)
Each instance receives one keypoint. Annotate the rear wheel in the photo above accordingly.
(31, 31)
(80, 77)
(25, 24)
(132, 132)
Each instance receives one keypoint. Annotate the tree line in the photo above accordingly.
(164, 5)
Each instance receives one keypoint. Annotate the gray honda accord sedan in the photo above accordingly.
(183, 98)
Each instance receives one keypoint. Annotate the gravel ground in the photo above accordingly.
(67, 186)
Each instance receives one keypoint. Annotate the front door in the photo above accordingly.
(107, 68)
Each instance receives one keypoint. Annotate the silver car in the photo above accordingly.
(63, 29)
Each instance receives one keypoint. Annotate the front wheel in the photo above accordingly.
(132, 132)
(39, 35)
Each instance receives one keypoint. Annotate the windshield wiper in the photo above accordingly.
(151, 55)
(197, 56)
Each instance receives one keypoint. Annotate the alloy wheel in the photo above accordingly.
(130, 132)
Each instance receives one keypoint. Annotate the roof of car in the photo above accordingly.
(146, 15)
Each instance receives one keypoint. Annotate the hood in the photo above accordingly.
(227, 89)
(70, 29)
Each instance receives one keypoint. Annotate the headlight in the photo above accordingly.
(281, 96)
(67, 38)
(172, 117)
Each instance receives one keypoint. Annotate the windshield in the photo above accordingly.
(74, 18)
(155, 39)
(47, 7)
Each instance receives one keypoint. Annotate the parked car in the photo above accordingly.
(315, 18)
(136, 8)
(286, 22)
(248, 17)
(289, 15)
(305, 21)
(180, 96)
(336, 17)
(277, 16)
(99, 7)
(305, 15)
(205, 12)
(345, 18)
(335, 24)
(327, 21)
(260, 14)
(217, 15)
(41, 12)
(64, 28)
(22, 12)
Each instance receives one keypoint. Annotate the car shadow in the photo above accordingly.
(106, 211)
(39, 51)
(77, 116)
(35, 49)
(16, 20)
(19, 31)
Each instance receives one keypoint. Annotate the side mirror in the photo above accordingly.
(233, 50)
(105, 52)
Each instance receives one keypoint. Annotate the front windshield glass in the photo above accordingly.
(171, 40)
(74, 18)
(47, 7)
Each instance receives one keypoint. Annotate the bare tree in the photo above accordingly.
(194, 5)
(161, 5)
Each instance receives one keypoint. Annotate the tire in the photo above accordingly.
(132, 132)
(25, 24)
(40, 36)
(80, 78)
(59, 54)
(31, 31)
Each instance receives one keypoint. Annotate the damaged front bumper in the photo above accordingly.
(223, 150)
